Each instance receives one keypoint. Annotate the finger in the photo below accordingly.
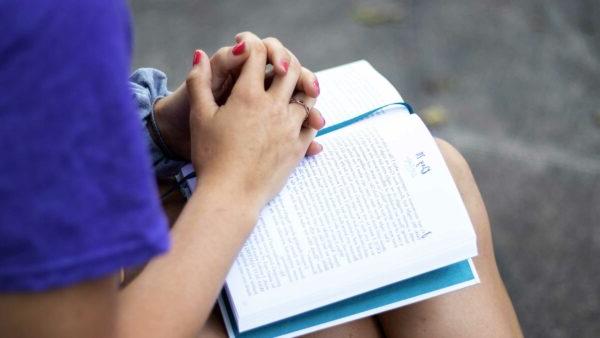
(308, 83)
(198, 83)
(299, 110)
(307, 136)
(283, 85)
(314, 148)
(223, 94)
(224, 63)
(277, 55)
(314, 120)
(253, 70)
(269, 76)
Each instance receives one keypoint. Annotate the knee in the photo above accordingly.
(457, 164)
(469, 192)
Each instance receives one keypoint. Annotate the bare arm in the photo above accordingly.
(175, 293)
(243, 153)
(82, 310)
(171, 298)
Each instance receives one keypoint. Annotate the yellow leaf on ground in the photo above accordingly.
(434, 115)
(377, 14)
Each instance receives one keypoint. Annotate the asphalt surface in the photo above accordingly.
(517, 84)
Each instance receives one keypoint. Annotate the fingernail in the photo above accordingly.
(316, 85)
(197, 57)
(239, 48)
(323, 119)
(320, 147)
(285, 65)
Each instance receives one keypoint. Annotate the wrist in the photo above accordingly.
(225, 198)
(172, 118)
(230, 190)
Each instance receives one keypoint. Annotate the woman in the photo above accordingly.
(79, 201)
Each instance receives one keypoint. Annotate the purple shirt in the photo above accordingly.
(77, 194)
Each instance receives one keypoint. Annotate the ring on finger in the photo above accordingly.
(300, 102)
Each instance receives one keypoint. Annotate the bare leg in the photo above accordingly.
(366, 327)
(214, 326)
(484, 310)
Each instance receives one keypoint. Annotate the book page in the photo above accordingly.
(352, 89)
(377, 206)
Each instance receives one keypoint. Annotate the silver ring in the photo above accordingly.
(300, 102)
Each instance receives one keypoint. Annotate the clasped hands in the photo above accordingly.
(234, 120)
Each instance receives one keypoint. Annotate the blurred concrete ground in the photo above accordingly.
(518, 84)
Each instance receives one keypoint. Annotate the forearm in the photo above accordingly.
(175, 293)
(172, 116)
(149, 89)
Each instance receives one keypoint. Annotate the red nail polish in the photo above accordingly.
(197, 57)
(285, 65)
(239, 48)
(316, 85)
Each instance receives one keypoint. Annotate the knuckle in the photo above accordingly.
(252, 34)
(295, 64)
(273, 41)
(310, 102)
(255, 45)
(259, 47)
(244, 33)
(249, 36)
(307, 72)
(193, 76)
(222, 52)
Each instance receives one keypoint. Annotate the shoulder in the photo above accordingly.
(44, 16)
(78, 199)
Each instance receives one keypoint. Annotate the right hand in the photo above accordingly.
(251, 144)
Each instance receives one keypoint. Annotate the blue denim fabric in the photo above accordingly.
(149, 85)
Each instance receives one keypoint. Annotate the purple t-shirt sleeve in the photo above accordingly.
(77, 196)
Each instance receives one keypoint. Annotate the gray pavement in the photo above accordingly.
(518, 83)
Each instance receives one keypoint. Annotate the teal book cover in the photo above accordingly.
(412, 290)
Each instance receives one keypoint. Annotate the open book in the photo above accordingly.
(372, 223)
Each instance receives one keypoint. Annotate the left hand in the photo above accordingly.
(172, 112)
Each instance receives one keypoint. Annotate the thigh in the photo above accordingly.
(363, 328)
(484, 310)
(214, 326)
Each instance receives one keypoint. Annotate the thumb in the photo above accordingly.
(198, 85)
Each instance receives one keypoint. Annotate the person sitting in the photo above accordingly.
(79, 199)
